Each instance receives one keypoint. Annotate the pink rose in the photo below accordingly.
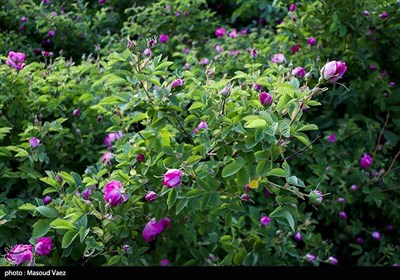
(172, 178)
(114, 193)
(43, 246)
(153, 228)
(20, 254)
(333, 71)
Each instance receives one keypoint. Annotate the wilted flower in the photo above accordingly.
(19, 254)
(265, 221)
(265, 98)
(366, 161)
(153, 228)
(177, 83)
(151, 43)
(111, 137)
(107, 157)
(218, 48)
(311, 41)
(43, 246)
(220, 32)
(278, 58)
(140, 158)
(114, 193)
(34, 142)
(164, 38)
(295, 48)
(333, 71)
(126, 248)
(253, 53)
(299, 72)
(360, 240)
(172, 178)
(150, 196)
(245, 197)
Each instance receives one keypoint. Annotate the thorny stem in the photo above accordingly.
(380, 135)
(299, 152)
(181, 127)
(391, 164)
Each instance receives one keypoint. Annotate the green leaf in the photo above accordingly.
(278, 172)
(258, 123)
(66, 177)
(111, 101)
(303, 139)
(27, 207)
(68, 238)
(290, 219)
(196, 105)
(231, 169)
(47, 211)
(50, 181)
(308, 127)
(181, 205)
(250, 259)
(391, 137)
(282, 102)
(40, 228)
(284, 127)
(262, 168)
(172, 196)
(61, 224)
(285, 89)
(227, 260)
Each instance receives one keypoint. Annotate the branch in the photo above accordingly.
(380, 135)
(299, 152)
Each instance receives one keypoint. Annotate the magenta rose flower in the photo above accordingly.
(151, 196)
(265, 98)
(43, 246)
(87, 193)
(278, 58)
(46, 200)
(153, 228)
(114, 193)
(220, 32)
(34, 142)
(172, 178)
(265, 221)
(332, 138)
(164, 262)
(299, 72)
(366, 161)
(333, 71)
(15, 60)
(295, 48)
(111, 137)
(311, 41)
(19, 254)
(164, 38)
(177, 83)
(292, 8)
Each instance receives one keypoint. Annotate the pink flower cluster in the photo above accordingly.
(15, 60)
